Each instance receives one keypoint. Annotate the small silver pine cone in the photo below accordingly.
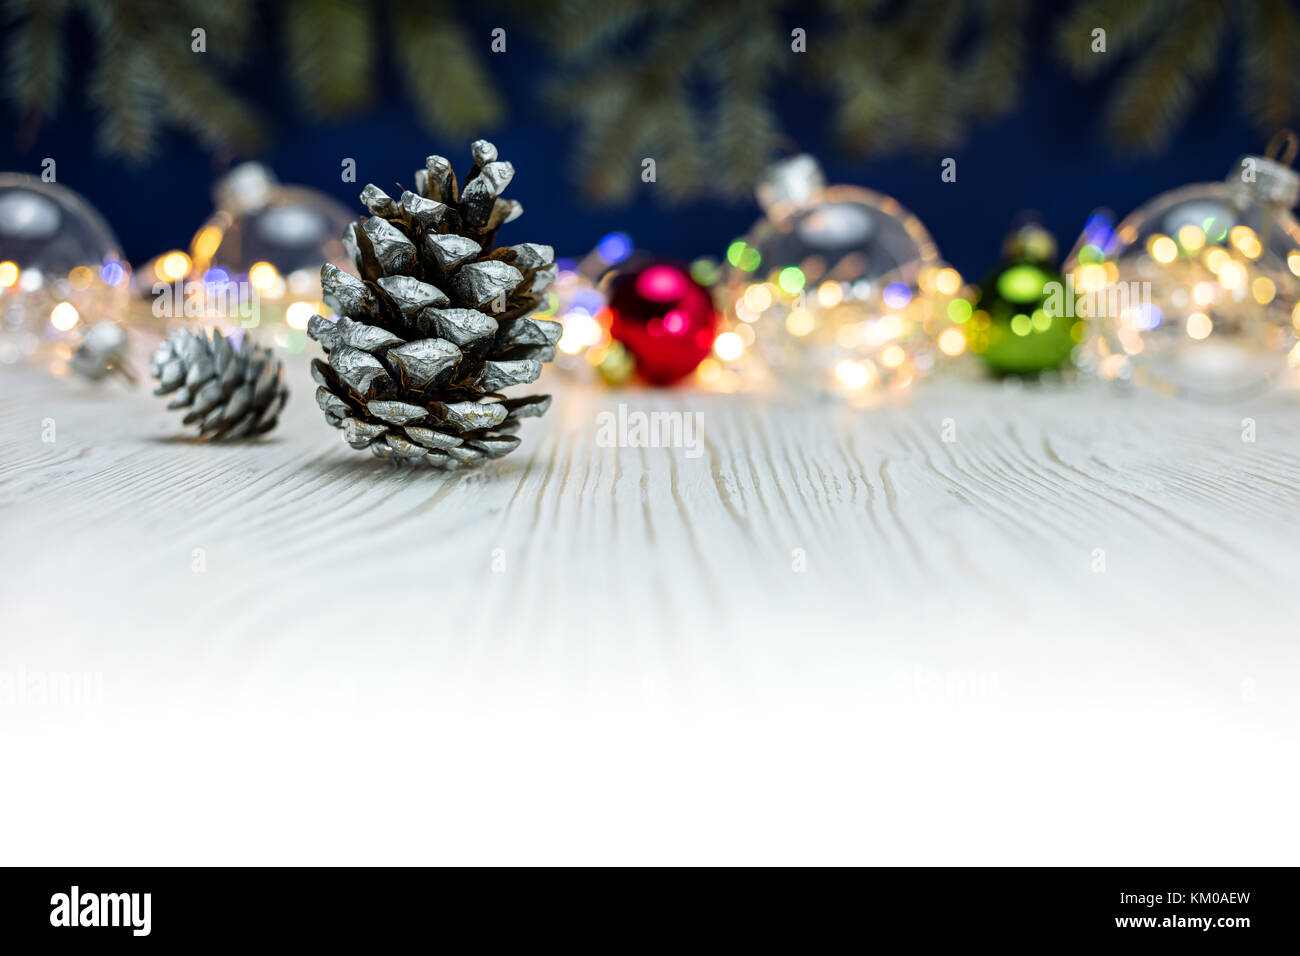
(438, 324)
(228, 394)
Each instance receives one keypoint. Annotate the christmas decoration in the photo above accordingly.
(256, 261)
(837, 289)
(258, 219)
(59, 262)
(229, 394)
(663, 318)
(438, 324)
(104, 350)
(1198, 291)
(1020, 326)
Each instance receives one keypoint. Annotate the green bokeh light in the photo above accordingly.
(791, 280)
(1022, 284)
(736, 251)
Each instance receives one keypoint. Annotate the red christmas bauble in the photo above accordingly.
(664, 318)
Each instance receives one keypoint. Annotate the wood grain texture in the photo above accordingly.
(1073, 564)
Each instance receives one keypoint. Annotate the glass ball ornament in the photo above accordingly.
(61, 270)
(259, 219)
(664, 319)
(1019, 325)
(1197, 292)
(261, 252)
(838, 289)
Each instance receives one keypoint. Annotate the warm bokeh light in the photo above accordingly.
(1191, 237)
(64, 316)
(947, 281)
(206, 242)
(1216, 259)
(855, 375)
(175, 265)
(799, 322)
(1232, 275)
(1247, 243)
(1263, 289)
(758, 298)
(299, 314)
(1091, 277)
(1163, 249)
(263, 276)
(952, 342)
(581, 330)
(728, 346)
(80, 278)
(829, 295)
(1199, 326)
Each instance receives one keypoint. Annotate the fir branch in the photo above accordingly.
(931, 88)
(449, 85)
(1128, 25)
(1158, 91)
(197, 100)
(35, 59)
(1270, 77)
(331, 53)
(607, 143)
(592, 26)
(122, 86)
(746, 131)
(230, 24)
(991, 77)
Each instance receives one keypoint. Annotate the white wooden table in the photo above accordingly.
(1068, 635)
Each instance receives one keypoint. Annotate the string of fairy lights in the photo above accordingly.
(836, 289)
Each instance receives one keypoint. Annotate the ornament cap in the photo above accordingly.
(1266, 178)
(245, 188)
(1030, 243)
(791, 184)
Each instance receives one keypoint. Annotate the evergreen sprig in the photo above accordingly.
(689, 83)
(144, 72)
(1167, 53)
(691, 86)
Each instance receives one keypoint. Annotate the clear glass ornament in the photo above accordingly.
(262, 220)
(1197, 292)
(837, 289)
(61, 270)
(257, 260)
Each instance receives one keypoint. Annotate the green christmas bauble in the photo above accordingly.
(1022, 324)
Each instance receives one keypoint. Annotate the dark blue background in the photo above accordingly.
(1049, 154)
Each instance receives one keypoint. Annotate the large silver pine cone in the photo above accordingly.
(438, 324)
(227, 393)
